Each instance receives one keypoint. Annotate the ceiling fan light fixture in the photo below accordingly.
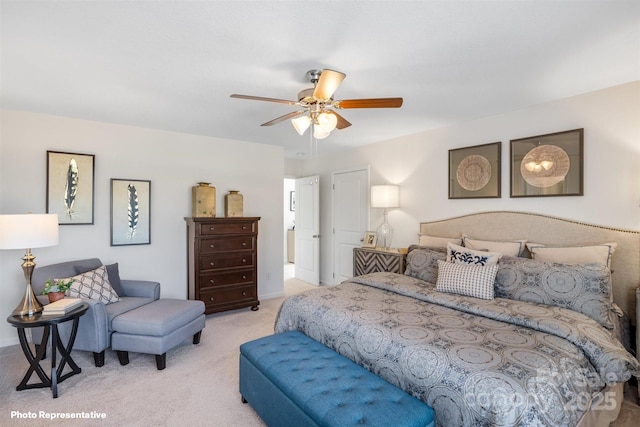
(327, 121)
(301, 124)
(320, 133)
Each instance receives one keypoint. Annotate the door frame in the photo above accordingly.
(366, 168)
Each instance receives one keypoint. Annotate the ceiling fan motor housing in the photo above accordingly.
(305, 96)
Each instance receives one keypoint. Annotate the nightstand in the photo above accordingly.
(369, 260)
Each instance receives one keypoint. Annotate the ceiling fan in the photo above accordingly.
(318, 105)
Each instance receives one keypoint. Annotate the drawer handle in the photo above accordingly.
(211, 281)
(211, 264)
(212, 299)
(244, 260)
(211, 246)
(211, 228)
(244, 293)
(244, 276)
(244, 227)
(244, 243)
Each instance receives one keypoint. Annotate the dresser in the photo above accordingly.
(222, 262)
(366, 260)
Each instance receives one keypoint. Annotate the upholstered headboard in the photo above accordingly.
(553, 231)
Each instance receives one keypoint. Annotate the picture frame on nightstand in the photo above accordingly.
(369, 240)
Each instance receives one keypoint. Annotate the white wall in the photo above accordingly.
(419, 164)
(173, 162)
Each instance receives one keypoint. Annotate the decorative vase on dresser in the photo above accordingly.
(222, 257)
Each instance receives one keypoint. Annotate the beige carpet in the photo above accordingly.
(199, 387)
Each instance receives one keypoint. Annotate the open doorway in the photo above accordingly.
(289, 218)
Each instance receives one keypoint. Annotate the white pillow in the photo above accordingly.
(464, 279)
(94, 285)
(461, 255)
(510, 248)
(438, 242)
(600, 254)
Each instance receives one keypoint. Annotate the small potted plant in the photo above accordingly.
(55, 289)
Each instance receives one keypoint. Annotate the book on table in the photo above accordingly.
(62, 306)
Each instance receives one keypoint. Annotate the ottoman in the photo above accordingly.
(156, 328)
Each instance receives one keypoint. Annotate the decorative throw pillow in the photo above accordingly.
(573, 255)
(422, 263)
(438, 242)
(114, 277)
(94, 285)
(585, 288)
(461, 255)
(463, 279)
(510, 248)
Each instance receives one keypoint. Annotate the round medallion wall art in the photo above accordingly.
(545, 166)
(473, 172)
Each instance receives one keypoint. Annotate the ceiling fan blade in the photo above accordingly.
(260, 98)
(342, 122)
(369, 103)
(283, 118)
(328, 84)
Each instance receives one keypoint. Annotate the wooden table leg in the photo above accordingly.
(34, 361)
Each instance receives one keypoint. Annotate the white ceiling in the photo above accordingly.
(173, 64)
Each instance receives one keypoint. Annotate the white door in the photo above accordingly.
(350, 219)
(307, 241)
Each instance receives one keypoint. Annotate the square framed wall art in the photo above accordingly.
(70, 187)
(474, 172)
(130, 212)
(548, 165)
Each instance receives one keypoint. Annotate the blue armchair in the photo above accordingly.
(94, 328)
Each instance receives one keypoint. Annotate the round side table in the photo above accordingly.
(50, 324)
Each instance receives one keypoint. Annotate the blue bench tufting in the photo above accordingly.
(293, 380)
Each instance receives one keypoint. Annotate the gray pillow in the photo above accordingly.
(422, 263)
(585, 288)
(114, 278)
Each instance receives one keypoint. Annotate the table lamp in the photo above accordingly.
(385, 196)
(28, 231)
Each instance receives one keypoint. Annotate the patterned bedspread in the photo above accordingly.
(476, 362)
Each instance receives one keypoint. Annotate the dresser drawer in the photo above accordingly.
(221, 244)
(208, 280)
(228, 228)
(227, 260)
(234, 294)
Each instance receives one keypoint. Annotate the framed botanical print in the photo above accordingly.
(474, 172)
(548, 165)
(130, 212)
(70, 187)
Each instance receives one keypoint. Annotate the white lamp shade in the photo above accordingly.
(301, 123)
(320, 133)
(385, 196)
(327, 121)
(28, 231)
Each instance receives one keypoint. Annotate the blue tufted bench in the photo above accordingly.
(292, 380)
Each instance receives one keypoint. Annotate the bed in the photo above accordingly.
(506, 360)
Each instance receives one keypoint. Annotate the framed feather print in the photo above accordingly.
(70, 185)
(130, 212)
